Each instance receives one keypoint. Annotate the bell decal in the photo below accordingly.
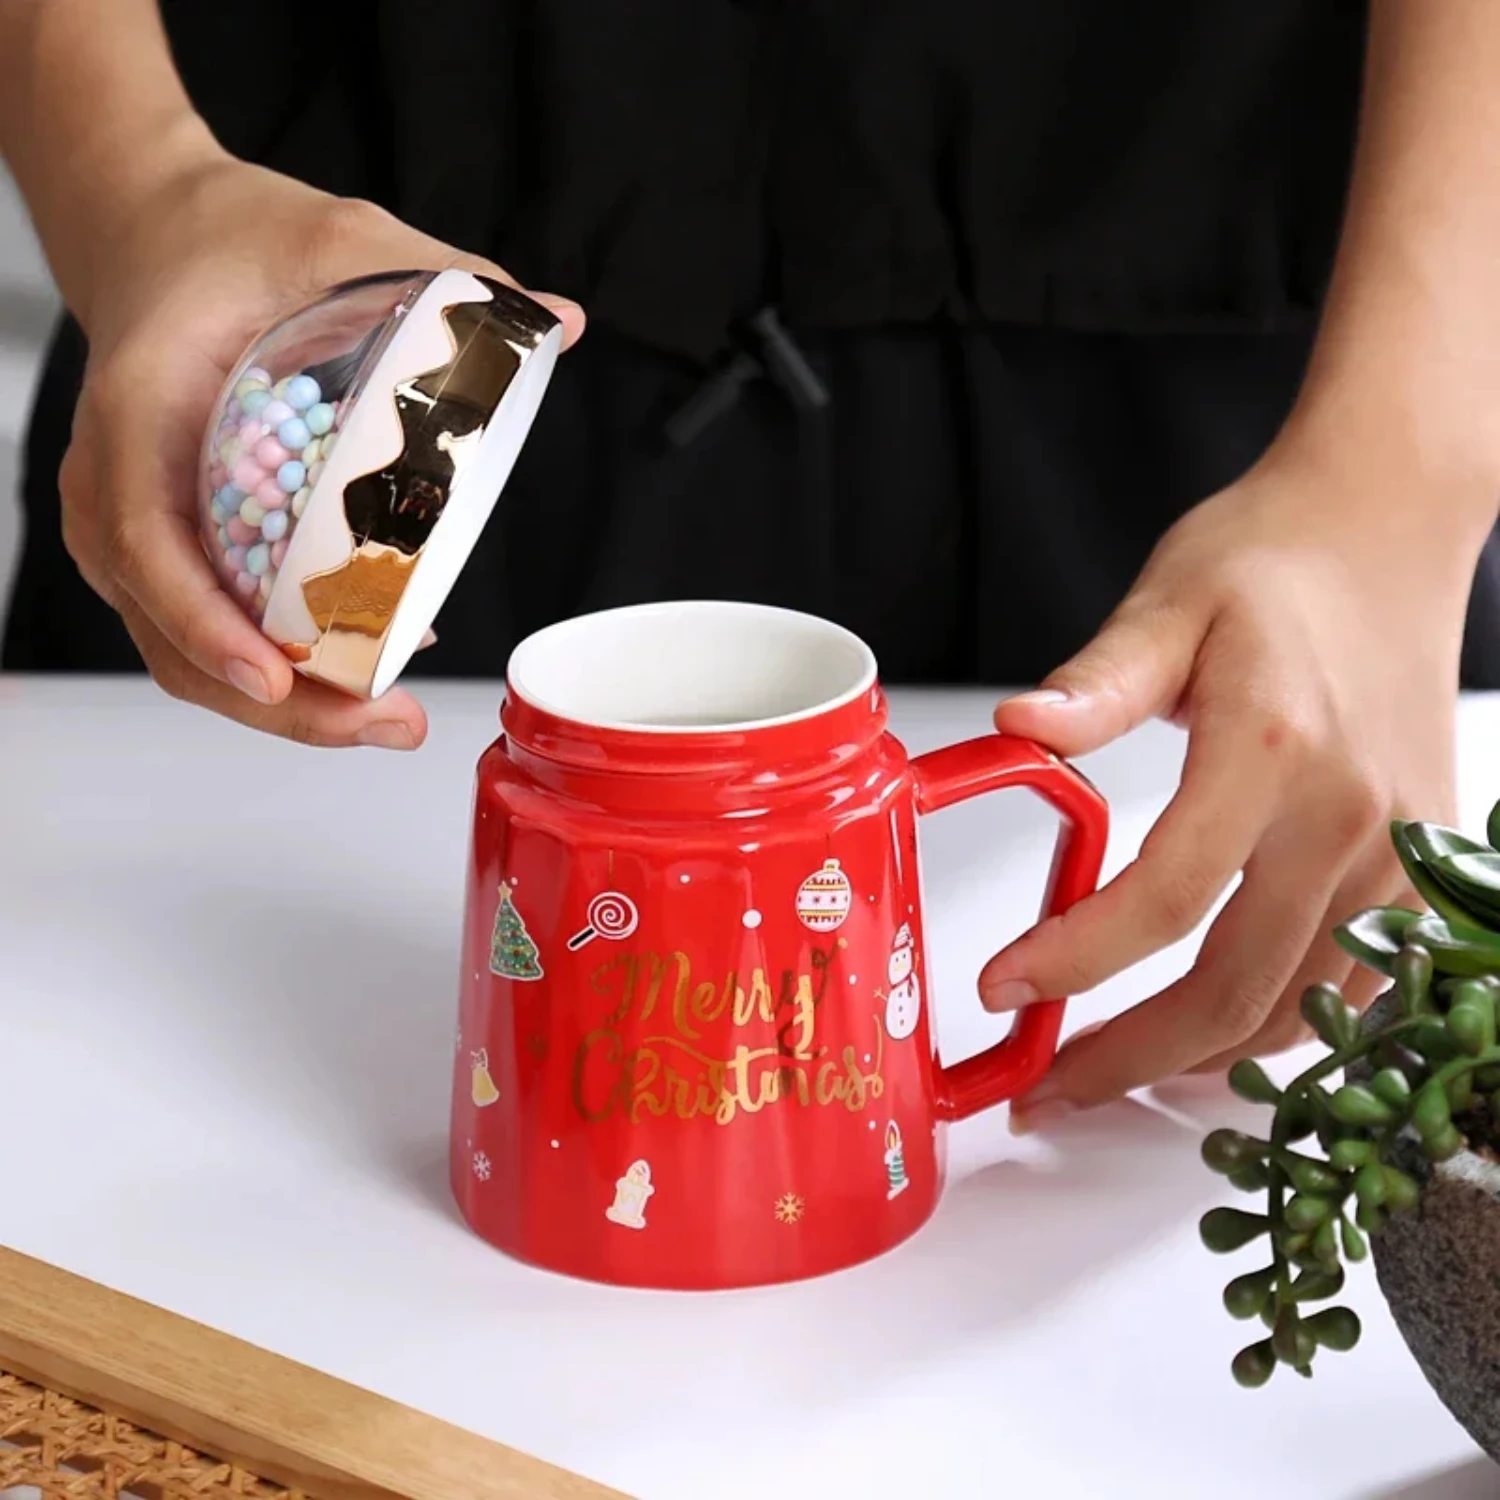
(483, 1090)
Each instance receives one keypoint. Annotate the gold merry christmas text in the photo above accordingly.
(666, 1069)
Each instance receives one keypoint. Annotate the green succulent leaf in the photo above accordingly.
(1355, 1246)
(1325, 1242)
(1432, 1040)
(1319, 1285)
(1355, 1104)
(1375, 936)
(1412, 970)
(1227, 1151)
(1492, 827)
(1424, 849)
(1335, 1328)
(1250, 1081)
(1461, 951)
(1431, 1114)
(1252, 1179)
(1351, 1153)
(1401, 1191)
(1443, 1144)
(1471, 1017)
(1293, 1344)
(1226, 1229)
(1247, 1295)
(1310, 1176)
(1461, 1092)
(1370, 1185)
(1305, 1212)
(1370, 1218)
(1472, 874)
(1299, 1115)
(1254, 1365)
(1323, 1008)
(1390, 1084)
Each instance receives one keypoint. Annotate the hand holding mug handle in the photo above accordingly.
(1015, 1065)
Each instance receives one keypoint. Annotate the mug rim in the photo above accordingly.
(861, 684)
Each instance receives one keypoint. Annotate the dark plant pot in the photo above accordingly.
(1439, 1270)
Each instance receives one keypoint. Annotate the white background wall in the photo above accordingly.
(28, 304)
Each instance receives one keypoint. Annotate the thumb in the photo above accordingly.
(1136, 668)
(564, 309)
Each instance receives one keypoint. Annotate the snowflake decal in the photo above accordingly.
(481, 1166)
(789, 1208)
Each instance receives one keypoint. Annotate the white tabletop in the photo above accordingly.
(228, 1019)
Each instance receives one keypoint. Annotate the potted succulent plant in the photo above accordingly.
(1403, 1153)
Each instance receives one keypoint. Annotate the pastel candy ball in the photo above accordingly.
(278, 553)
(311, 453)
(267, 579)
(273, 528)
(269, 495)
(276, 412)
(254, 402)
(279, 389)
(229, 453)
(229, 497)
(326, 446)
(252, 513)
(315, 473)
(235, 557)
(240, 532)
(246, 585)
(303, 392)
(251, 431)
(320, 418)
(247, 473)
(224, 543)
(270, 455)
(258, 559)
(294, 435)
(299, 502)
(257, 376)
(218, 475)
(290, 476)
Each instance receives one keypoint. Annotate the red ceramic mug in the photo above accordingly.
(694, 1047)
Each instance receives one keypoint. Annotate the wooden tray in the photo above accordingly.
(102, 1396)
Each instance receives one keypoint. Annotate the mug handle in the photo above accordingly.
(989, 764)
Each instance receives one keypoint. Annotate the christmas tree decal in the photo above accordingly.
(513, 955)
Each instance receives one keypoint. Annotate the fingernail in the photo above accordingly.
(1028, 1116)
(562, 306)
(1040, 697)
(428, 639)
(387, 734)
(250, 681)
(1009, 994)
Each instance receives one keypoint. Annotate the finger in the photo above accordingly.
(1230, 785)
(1136, 668)
(1248, 956)
(1376, 880)
(156, 557)
(564, 309)
(310, 713)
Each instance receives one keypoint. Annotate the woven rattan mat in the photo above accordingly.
(54, 1448)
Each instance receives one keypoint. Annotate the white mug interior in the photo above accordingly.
(690, 666)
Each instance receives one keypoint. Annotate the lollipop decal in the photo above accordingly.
(611, 915)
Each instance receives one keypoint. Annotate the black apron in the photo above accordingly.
(924, 315)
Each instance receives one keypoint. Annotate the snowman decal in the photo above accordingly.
(903, 1001)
